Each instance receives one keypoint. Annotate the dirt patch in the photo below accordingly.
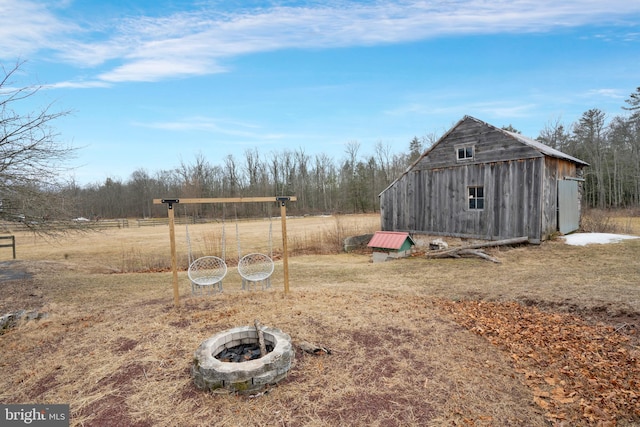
(19, 289)
(9, 271)
(123, 345)
(111, 411)
(45, 383)
(387, 409)
(111, 407)
(182, 323)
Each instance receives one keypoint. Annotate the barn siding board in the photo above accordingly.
(549, 208)
(525, 216)
(518, 175)
(490, 146)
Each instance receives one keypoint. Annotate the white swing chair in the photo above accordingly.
(207, 272)
(255, 267)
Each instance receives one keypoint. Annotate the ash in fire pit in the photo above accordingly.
(210, 372)
(241, 353)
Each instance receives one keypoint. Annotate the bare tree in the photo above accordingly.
(590, 133)
(232, 176)
(555, 136)
(429, 139)
(302, 181)
(275, 171)
(139, 192)
(625, 152)
(324, 182)
(383, 157)
(31, 159)
(633, 104)
(253, 165)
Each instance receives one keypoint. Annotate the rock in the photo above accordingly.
(438, 244)
(355, 242)
(10, 320)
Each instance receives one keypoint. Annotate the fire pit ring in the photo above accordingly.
(212, 374)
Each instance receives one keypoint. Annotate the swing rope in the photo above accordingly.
(206, 270)
(188, 237)
(224, 237)
(270, 237)
(238, 235)
(255, 267)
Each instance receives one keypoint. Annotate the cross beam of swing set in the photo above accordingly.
(172, 233)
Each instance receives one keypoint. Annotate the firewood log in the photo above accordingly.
(314, 349)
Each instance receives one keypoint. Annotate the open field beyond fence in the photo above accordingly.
(547, 337)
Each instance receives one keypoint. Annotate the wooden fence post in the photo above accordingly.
(10, 245)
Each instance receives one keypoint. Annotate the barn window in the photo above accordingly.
(476, 198)
(465, 153)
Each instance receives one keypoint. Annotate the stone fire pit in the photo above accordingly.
(211, 374)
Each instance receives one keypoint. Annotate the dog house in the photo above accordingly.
(391, 244)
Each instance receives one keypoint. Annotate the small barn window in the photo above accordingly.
(476, 198)
(465, 153)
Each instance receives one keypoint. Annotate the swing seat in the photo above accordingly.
(256, 268)
(207, 271)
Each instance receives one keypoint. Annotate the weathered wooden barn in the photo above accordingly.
(479, 181)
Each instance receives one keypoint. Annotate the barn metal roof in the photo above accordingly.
(544, 149)
(389, 239)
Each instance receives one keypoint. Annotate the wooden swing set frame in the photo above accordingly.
(282, 200)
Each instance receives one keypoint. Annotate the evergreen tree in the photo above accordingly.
(415, 149)
(511, 129)
(633, 102)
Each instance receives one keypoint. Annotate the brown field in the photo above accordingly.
(546, 337)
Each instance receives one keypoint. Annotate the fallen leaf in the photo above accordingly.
(540, 393)
(541, 402)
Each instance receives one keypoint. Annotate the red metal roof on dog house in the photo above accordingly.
(396, 240)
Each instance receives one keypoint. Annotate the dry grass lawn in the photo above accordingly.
(414, 342)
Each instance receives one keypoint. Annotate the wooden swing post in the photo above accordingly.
(285, 252)
(172, 240)
(172, 237)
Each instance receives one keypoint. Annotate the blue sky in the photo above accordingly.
(154, 83)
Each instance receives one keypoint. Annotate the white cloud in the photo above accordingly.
(211, 125)
(507, 110)
(154, 69)
(198, 42)
(28, 27)
(495, 109)
(606, 93)
(631, 37)
(76, 85)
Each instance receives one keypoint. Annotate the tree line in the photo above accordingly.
(612, 149)
(352, 184)
(31, 165)
(320, 183)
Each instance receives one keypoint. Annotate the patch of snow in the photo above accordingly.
(582, 239)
